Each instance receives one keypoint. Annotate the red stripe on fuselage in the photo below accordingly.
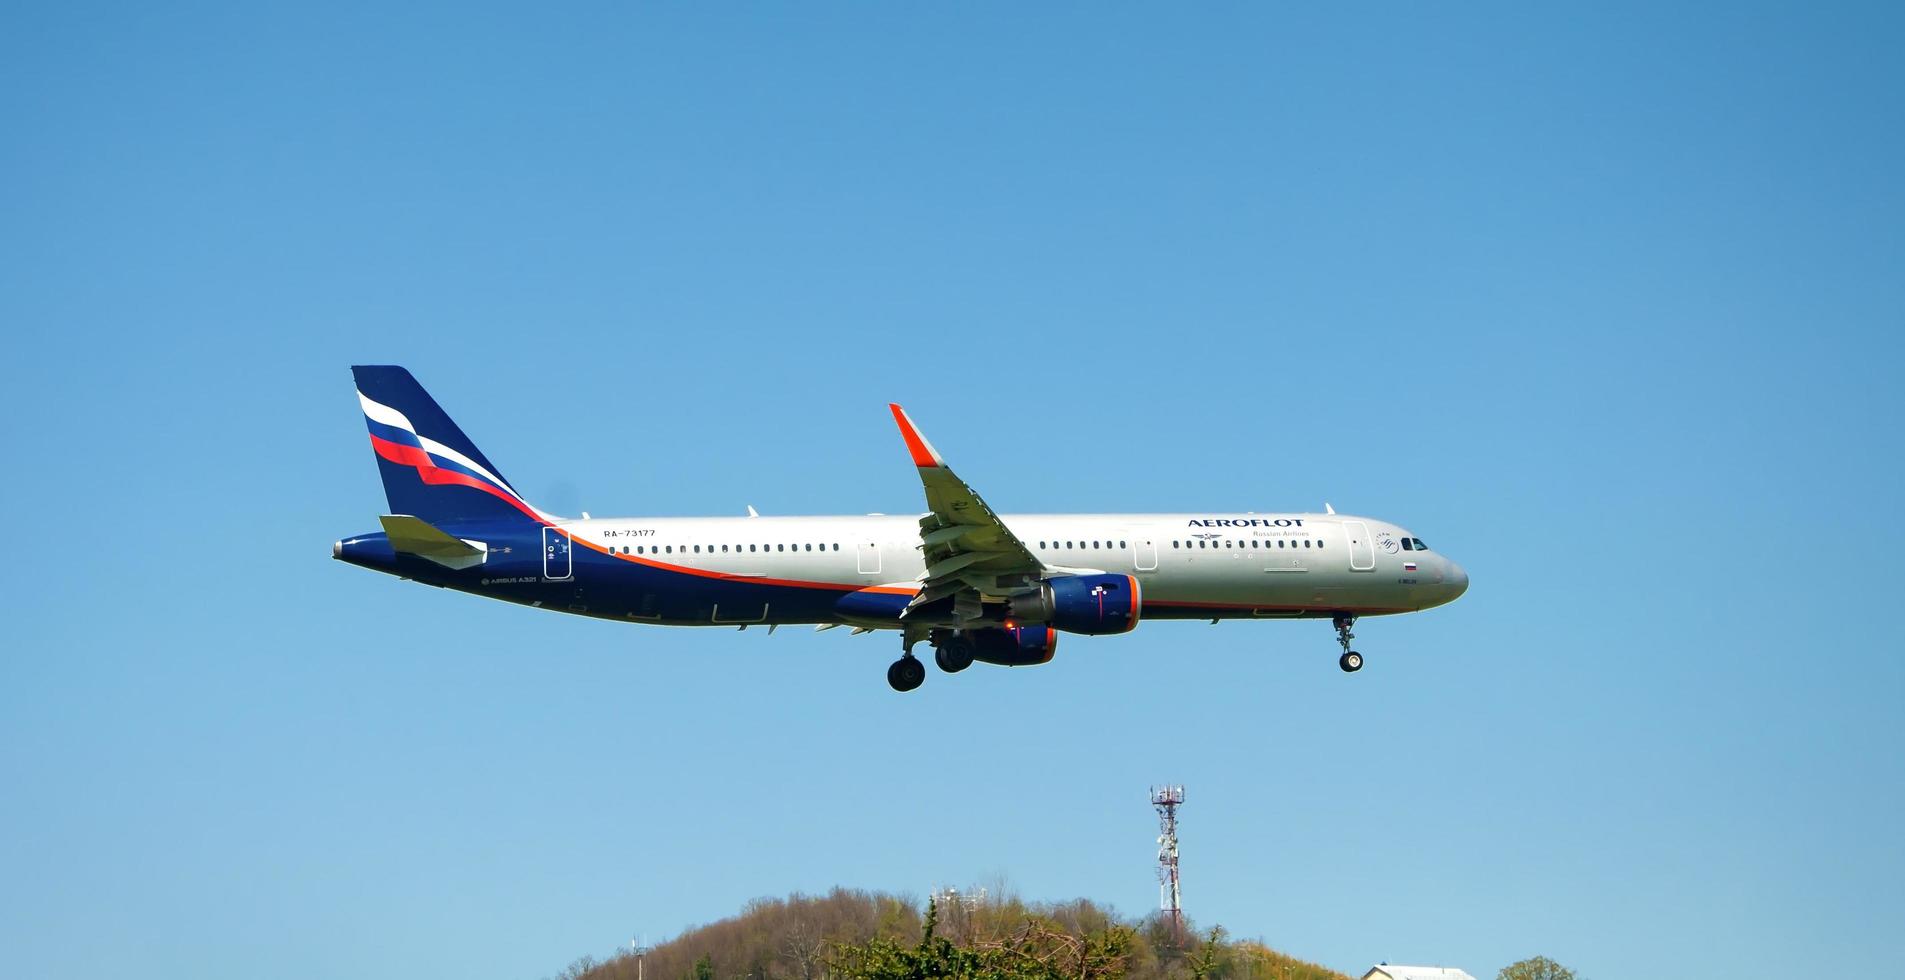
(438, 476)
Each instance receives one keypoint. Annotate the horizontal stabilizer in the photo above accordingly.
(415, 536)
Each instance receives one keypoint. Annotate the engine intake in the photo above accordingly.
(1090, 604)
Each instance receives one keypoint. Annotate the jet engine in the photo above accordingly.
(1013, 646)
(1090, 604)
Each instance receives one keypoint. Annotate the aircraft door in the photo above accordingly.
(1362, 553)
(869, 557)
(1144, 552)
(556, 566)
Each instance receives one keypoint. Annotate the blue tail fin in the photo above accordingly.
(431, 469)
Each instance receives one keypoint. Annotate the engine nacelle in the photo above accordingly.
(1013, 646)
(1091, 604)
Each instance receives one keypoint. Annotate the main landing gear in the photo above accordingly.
(1350, 661)
(906, 673)
(951, 651)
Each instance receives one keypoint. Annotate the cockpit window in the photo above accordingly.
(1419, 545)
(1408, 544)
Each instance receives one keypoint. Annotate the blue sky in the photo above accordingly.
(1602, 301)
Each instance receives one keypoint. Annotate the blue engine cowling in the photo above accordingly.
(1091, 604)
(1013, 646)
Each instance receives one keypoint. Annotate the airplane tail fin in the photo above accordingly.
(431, 470)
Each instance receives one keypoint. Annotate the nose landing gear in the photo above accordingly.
(1350, 661)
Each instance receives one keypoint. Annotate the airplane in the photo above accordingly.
(975, 585)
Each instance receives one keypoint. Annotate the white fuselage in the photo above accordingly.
(1188, 565)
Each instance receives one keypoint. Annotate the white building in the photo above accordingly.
(1386, 971)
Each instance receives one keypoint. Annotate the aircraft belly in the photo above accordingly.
(1220, 587)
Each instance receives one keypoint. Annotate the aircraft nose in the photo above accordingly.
(1457, 581)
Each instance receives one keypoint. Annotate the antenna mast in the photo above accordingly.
(1170, 899)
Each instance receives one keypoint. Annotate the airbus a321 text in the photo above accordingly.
(975, 585)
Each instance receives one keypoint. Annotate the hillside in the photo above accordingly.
(856, 934)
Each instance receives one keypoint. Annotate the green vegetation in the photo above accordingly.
(856, 935)
(1535, 968)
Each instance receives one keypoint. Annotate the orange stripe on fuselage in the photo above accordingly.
(432, 474)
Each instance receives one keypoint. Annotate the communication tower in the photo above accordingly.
(1170, 900)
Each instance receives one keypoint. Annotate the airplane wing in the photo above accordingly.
(968, 550)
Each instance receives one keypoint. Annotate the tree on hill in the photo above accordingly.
(1038, 950)
(857, 935)
(1535, 968)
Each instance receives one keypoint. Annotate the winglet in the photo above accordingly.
(924, 455)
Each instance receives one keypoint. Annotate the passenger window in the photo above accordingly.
(1319, 543)
(836, 547)
(1306, 542)
(1121, 544)
(1279, 542)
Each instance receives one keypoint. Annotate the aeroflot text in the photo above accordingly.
(1251, 522)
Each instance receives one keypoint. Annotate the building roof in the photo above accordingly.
(1395, 972)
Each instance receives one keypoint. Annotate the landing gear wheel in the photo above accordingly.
(1350, 661)
(953, 654)
(906, 673)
